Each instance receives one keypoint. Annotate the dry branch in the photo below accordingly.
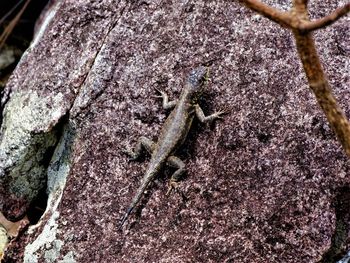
(10, 12)
(321, 88)
(278, 16)
(286, 19)
(297, 20)
(9, 28)
(327, 20)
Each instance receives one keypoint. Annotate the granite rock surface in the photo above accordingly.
(268, 183)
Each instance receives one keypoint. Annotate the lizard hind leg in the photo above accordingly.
(175, 162)
(143, 142)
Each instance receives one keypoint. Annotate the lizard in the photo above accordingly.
(172, 135)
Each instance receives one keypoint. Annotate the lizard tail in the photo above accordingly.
(128, 212)
(136, 199)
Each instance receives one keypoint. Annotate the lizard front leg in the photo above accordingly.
(167, 105)
(143, 142)
(202, 118)
(175, 162)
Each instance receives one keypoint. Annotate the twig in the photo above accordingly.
(319, 85)
(10, 12)
(9, 28)
(298, 21)
(286, 19)
(327, 20)
(278, 16)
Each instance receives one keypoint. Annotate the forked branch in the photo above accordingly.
(278, 16)
(286, 19)
(297, 20)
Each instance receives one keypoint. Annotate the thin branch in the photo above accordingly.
(327, 20)
(8, 30)
(278, 16)
(320, 87)
(302, 4)
(297, 20)
(300, 8)
(10, 12)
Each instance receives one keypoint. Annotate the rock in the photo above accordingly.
(8, 56)
(3, 241)
(265, 184)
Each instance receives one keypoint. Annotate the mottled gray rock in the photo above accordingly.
(3, 240)
(39, 99)
(345, 259)
(27, 138)
(269, 183)
(7, 57)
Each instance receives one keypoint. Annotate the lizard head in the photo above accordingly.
(197, 78)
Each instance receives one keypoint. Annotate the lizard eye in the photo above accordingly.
(197, 77)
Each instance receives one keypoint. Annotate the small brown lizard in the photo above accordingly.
(172, 135)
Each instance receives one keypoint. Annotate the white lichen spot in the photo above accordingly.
(256, 17)
(47, 244)
(47, 236)
(52, 254)
(68, 258)
(345, 259)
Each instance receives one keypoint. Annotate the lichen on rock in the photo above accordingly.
(3, 240)
(28, 137)
(46, 244)
(261, 183)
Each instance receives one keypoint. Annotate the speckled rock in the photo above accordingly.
(268, 183)
(3, 241)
